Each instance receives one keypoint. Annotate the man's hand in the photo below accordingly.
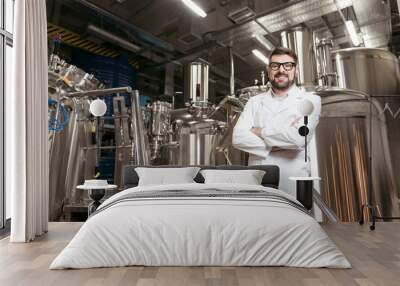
(257, 131)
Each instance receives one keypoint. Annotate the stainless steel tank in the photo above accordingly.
(160, 126)
(352, 137)
(300, 40)
(68, 164)
(196, 83)
(377, 73)
(229, 110)
(373, 71)
(81, 152)
(196, 140)
(75, 151)
(194, 136)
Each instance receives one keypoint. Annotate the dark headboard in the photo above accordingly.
(270, 179)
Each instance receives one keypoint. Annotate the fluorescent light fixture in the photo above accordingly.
(260, 56)
(351, 29)
(265, 42)
(195, 8)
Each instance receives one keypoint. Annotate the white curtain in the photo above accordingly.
(26, 124)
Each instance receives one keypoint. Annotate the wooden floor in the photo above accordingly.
(375, 257)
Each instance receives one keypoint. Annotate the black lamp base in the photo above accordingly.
(304, 193)
(96, 195)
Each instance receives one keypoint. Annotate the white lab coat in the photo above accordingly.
(281, 144)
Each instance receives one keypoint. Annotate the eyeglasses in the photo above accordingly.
(288, 66)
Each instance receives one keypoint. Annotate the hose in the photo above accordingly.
(54, 123)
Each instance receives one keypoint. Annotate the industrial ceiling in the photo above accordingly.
(157, 32)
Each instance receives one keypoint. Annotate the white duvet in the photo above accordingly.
(200, 231)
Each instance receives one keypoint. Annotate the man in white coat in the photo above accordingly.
(268, 126)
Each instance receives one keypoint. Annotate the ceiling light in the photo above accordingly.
(260, 56)
(195, 8)
(352, 32)
(265, 42)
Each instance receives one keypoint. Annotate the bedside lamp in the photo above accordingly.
(304, 185)
(305, 108)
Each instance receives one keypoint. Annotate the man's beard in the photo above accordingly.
(284, 85)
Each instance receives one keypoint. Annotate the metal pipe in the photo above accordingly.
(262, 78)
(231, 100)
(340, 12)
(274, 39)
(325, 71)
(106, 147)
(99, 92)
(142, 34)
(232, 76)
(107, 36)
(139, 131)
(374, 21)
(135, 132)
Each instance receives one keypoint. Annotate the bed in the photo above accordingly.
(198, 224)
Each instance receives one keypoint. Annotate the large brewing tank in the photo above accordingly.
(373, 71)
(194, 140)
(63, 148)
(229, 110)
(64, 153)
(377, 73)
(353, 130)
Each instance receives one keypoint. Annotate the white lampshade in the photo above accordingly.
(306, 107)
(98, 107)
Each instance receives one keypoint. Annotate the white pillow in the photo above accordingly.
(166, 176)
(248, 177)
